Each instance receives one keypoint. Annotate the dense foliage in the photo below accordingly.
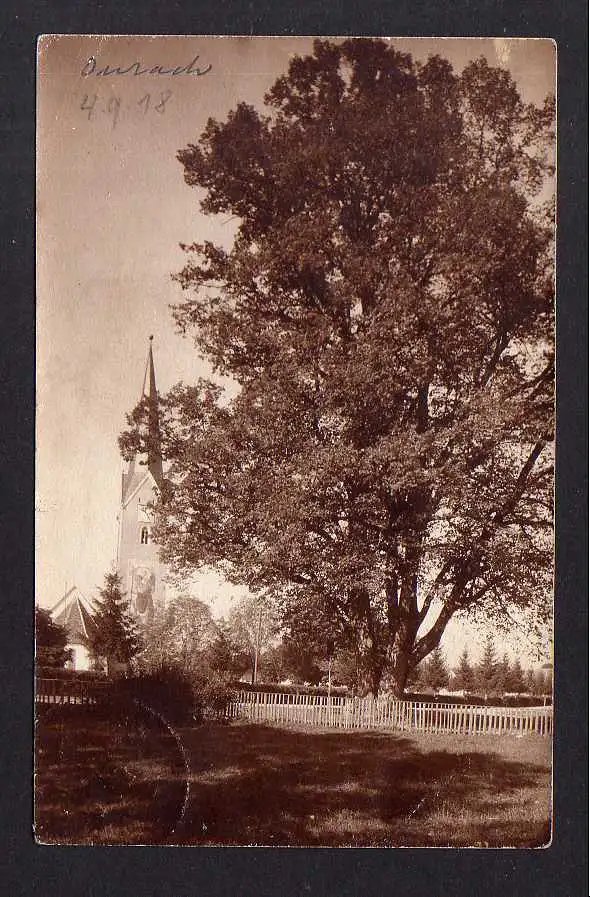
(50, 641)
(178, 635)
(386, 312)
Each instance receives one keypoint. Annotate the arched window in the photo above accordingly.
(145, 536)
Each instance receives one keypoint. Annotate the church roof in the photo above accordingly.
(72, 612)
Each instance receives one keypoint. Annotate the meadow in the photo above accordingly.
(127, 778)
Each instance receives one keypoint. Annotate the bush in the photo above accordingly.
(173, 694)
(212, 694)
(167, 692)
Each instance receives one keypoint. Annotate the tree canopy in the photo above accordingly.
(386, 311)
(253, 626)
(180, 635)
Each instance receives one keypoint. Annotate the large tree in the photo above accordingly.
(253, 625)
(180, 634)
(385, 311)
(226, 657)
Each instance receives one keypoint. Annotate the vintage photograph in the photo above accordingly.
(295, 441)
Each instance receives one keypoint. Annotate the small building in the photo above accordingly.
(73, 612)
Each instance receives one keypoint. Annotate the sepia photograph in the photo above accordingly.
(295, 414)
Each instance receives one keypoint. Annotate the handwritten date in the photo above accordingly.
(94, 106)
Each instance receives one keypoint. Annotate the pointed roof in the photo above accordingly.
(155, 441)
(136, 473)
(72, 612)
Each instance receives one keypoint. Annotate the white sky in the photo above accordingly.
(112, 208)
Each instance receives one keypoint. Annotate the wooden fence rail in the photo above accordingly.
(385, 713)
(66, 691)
(344, 713)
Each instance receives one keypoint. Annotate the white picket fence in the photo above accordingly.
(67, 691)
(344, 713)
(386, 713)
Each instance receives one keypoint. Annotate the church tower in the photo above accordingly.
(138, 561)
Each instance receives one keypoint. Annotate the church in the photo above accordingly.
(143, 575)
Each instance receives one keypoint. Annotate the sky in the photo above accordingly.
(112, 209)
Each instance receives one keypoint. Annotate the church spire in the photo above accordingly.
(154, 458)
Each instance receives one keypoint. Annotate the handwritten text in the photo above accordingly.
(137, 68)
(92, 105)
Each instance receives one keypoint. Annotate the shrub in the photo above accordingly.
(50, 640)
(167, 692)
(213, 694)
(177, 696)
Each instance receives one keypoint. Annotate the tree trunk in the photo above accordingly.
(403, 644)
(399, 675)
(370, 683)
(375, 677)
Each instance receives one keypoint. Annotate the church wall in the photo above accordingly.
(81, 657)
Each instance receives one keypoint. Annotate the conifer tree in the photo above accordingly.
(463, 678)
(414, 679)
(517, 683)
(224, 656)
(486, 672)
(116, 636)
(436, 671)
(547, 680)
(502, 679)
(530, 682)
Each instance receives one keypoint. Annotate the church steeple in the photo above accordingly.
(154, 460)
(138, 560)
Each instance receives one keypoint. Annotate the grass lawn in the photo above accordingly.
(105, 779)
(105, 782)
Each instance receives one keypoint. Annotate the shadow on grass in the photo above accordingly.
(263, 785)
(123, 780)
(106, 777)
